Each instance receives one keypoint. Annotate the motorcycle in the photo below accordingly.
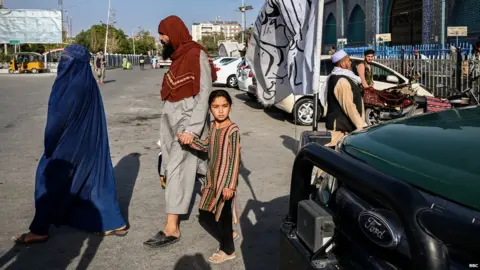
(389, 104)
(465, 98)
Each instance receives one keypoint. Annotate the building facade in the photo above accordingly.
(410, 22)
(229, 29)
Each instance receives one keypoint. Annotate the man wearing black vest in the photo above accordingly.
(345, 110)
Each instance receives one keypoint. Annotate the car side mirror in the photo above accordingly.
(392, 79)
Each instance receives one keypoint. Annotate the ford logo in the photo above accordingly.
(380, 230)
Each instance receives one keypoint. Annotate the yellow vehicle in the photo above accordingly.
(27, 62)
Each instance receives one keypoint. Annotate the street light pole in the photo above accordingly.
(243, 21)
(108, 22)
(133, 39)
(244, 9)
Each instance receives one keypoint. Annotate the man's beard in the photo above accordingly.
(167, 51)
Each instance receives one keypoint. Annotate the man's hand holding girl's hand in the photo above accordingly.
(185, 138)
(228, 193)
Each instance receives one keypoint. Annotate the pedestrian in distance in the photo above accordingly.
(75, 182)
(100, 67)
(185, 90)
(219, 191)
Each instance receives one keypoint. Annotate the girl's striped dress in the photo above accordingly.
(223, 147)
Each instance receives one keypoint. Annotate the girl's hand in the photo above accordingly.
(227, 193)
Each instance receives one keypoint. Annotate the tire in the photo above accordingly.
(11, 71)
(252, 96)
(371, 117)
(303, 112)
(34, 71)
(232, 81)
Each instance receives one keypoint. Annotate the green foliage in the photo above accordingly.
(210, 42)
(118, 41)
(144, 42)
(248, 34)
(5, 58)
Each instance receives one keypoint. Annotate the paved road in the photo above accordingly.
(132, 105)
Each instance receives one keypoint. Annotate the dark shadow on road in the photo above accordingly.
(290, 143)
(109, 81)
(219, 85)
(65, 243)
(193, 262)
(245, 173)
(260, 247)
(126, 173)
(278, 114)
(249, 102)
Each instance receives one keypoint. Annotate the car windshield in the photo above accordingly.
(380, 73)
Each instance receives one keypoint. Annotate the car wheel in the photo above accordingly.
(232, 81)
(303, 112)
(11, 71)
(252, 96)
(34, 71)
(371, 117)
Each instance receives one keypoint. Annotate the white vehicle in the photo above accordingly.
(244, 76)
(224, 60)
(226, 73)
(164, 63)
(301, 106)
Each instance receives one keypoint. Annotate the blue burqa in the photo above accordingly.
(75, 183)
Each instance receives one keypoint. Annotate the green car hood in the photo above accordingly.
(436, 152)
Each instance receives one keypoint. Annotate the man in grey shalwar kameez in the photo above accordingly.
(185, 91)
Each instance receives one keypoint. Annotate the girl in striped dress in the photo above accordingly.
(219, 190)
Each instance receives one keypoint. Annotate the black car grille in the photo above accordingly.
(458, 230)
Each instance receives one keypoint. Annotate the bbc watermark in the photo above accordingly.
(474, 265)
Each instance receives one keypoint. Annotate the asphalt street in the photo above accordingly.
(133, 107)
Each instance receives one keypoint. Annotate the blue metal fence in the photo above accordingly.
(397, 51)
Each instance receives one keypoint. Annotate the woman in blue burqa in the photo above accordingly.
(75, 183)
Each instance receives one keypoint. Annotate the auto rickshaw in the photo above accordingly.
(23, 62)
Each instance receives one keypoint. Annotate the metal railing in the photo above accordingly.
(114, 61)
(454, 71)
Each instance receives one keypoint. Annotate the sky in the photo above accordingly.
(144, 13)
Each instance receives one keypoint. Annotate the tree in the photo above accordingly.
(210, 42)
(94, 39)
(144, 42)
(248, 34)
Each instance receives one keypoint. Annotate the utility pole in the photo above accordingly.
(60, 7)
(108, 22)
(133, 39)
(243, 9)
(443, 25)
(71, 28)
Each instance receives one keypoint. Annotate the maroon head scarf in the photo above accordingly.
(183, 78)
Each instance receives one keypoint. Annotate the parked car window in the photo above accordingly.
(326, 67)
(226, 61)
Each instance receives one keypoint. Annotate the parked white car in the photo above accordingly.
(244, 75)
(227, 73)
(301, 106)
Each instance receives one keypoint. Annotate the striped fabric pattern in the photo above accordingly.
(223, 147)
(437, 105)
